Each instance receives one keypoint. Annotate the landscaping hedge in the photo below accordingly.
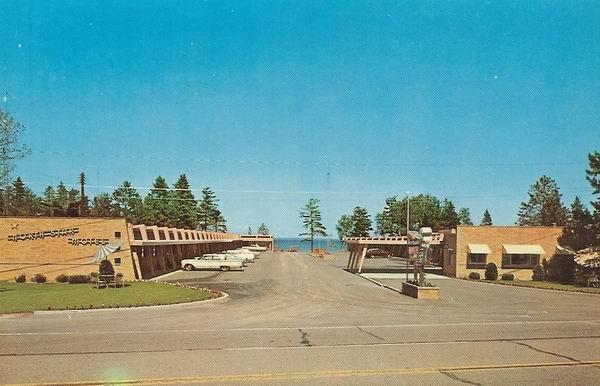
(508, 277)
(474, 276)
(21, 278)
(62, 278)
(79, 279)
(39, 278)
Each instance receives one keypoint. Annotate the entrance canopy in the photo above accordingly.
(358, 246)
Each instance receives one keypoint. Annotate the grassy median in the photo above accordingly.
(547, 285)
(27, 297)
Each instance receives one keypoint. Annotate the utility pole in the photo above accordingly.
(82, 194)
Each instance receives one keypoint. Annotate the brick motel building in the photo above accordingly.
(514, 249)
(67, 245)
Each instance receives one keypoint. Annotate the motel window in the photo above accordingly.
(117, 261)
(520, 260)
(137, 234)
(161, 235)
(117, 235)
(171, 235)
(476, 260)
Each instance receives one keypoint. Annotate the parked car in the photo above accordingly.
(377, 252)
(255, 248)
(246, 255)
(228, 256)
(202, 263)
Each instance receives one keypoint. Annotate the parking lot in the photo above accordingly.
(294, 319)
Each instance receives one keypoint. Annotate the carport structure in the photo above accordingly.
(358, 247)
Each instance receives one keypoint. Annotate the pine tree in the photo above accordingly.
(544, 206)
(158, 208)
(62, 201)
(263, 230)
(74, 203)
(464, 216)
(579, 230)
(102, 206)
(49, 202)
(487, 218)
(21, 200)
(218, 221)
(128, 203)
(392, 219)
(184, 204)
(344, 227)
(593, 176)
(209, 215)
(361, 222)
(448, 216)
(311, 220)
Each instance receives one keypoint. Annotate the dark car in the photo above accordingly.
(377, 252)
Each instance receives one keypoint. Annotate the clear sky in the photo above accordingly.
(271, 103)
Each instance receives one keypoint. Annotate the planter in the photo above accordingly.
(431, 293)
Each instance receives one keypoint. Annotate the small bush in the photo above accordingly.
(79, 279)
(39, 278)
(561, 268)
(508, 276)
(474, 276)
(538, 273)
(21, 278)
(62, 278)
(491, 272)
(106, 268)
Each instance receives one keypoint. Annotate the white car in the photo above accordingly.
(244, 250)
(202, 263)
(246, 255)
(227, 256)
(255, 248)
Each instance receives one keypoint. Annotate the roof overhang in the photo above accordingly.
(523, 249)
(178, 242)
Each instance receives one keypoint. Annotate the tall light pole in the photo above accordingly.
(407, 228)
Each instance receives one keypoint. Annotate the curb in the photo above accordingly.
(221, 299)
(532, 288)
(381, 284)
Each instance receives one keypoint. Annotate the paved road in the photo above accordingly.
(294, 320)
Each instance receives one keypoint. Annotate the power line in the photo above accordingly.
(188, 160)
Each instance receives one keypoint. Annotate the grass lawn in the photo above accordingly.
(547, 285)
(27, 297)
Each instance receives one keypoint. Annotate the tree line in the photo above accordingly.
(425, 211)
(544, 207)
(164, 205)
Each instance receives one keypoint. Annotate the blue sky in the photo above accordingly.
(271, 103)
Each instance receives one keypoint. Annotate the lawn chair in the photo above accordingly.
(94, 279)
(119, 280)
(592, 281)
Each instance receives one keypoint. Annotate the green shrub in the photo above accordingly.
(538, 273)
(491, 272)
(508, 276)
(62, 278)
(106, 268)
(79, 279)
(474, 276)
(561, 268)
(39, 278)
(21, 278)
